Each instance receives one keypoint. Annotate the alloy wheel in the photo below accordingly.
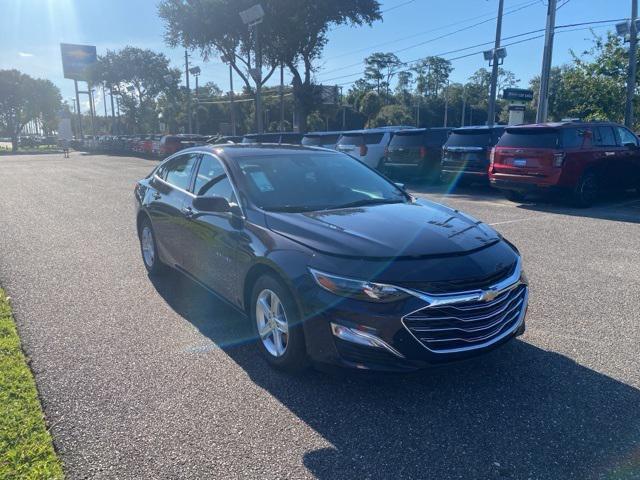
(148, 247)
(271, 320)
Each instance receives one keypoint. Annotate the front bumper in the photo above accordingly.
(399, 347)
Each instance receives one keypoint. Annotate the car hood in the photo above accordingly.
(419, 229)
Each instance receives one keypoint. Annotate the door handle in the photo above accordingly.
(608, 154)
(188, 212)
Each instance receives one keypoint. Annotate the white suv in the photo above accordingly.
(368, 145)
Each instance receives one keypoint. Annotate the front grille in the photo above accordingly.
(469, 325)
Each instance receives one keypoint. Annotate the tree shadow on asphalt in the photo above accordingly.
(519, 412)
(614, 206)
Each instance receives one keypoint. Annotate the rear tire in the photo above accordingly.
(514, 195)
(277, 325)
(149, 249)
(587, 191)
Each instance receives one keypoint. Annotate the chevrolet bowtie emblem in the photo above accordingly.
(489, 295)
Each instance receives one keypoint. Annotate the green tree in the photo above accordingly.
(380, 69)
(293, 33)
(391, 115)
(23, 99)
(432, 74)
(139, 77)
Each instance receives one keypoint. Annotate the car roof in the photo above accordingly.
(478, 128)
(238, 150)
(321, 134)
(564, 124)
(376, 130)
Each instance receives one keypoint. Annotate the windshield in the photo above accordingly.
(307, 181)
(469, 139)
(360, 138)
(407, 140)
(316, 140)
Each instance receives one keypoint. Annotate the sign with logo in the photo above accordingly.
(330, 94)
(76, 60)
(521, 94)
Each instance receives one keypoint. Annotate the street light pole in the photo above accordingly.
(491, 113)
(281, 97)
(633, 54)
(543, 96)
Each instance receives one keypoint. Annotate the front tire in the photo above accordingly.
(514, 195)
(149, 249)
(276, 324)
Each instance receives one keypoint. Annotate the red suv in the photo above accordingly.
(578, 158)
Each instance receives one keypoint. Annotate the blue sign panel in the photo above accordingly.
(76, 59)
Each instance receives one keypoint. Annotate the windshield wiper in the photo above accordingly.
(290, 209)
(368, 201)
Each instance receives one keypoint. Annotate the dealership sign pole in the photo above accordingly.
(76, 61)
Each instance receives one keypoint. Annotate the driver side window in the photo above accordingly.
(211, 180)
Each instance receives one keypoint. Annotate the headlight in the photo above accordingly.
(358, 289)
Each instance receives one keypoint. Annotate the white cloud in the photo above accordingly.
(25, 54)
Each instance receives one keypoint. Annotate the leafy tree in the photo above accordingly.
(432, 74)
(23, 99)
(138, 76)
(370, 104)
(293, 32)
(404, 83)
(379, 69)
(391, 115)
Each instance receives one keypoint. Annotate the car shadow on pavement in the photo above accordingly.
(519, 412)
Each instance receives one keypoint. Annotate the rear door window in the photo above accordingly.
(530, 138)
(574, 137)
(604, 137)
(180, 169)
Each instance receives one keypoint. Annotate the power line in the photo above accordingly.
(439, 37)
(595, 22)
(486, 43)
(424, 32)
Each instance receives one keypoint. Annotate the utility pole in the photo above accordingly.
(258, 79)
(79, 132)
(633, 55)
(186, 71)
(543, 96)
(113, 113)
(231, 104)
(197, 100)
(464, 105)
(491, 113)
(446, 103)
(281, 97)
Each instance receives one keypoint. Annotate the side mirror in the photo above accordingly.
(211, 204)
(630, 145)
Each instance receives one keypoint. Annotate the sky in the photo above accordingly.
(33, 29)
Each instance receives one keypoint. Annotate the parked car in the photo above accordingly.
(292, 237)
(416, 153)
(368, 145)
(321, 139)
(291, 138)
(466, 154)
(225, 139)
(578, 158)
(170, 144)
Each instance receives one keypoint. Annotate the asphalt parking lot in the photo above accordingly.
(157, 379)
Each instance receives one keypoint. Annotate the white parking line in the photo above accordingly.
(514, 221)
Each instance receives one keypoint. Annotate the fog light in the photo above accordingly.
(362, 338)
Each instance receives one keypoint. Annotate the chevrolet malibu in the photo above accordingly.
(331, 262)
